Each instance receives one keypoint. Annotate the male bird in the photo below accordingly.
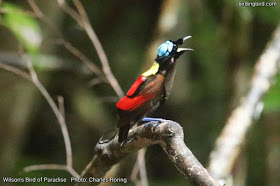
(151, 89)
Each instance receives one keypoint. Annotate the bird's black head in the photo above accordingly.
(170, 49)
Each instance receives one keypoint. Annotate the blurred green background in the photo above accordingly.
(227, 41)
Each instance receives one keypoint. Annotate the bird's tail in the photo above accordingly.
(123, 133)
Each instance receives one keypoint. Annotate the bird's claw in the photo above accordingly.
(153, 123)
(123, 143)
(128, 140)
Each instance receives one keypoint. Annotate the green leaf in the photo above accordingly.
(272, 99)
(25, 27)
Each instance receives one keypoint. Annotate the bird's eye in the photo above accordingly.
(165, 49)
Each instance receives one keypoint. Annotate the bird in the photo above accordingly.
(151, 89)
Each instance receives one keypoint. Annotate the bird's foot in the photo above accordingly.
(153, 121)
(146, 119)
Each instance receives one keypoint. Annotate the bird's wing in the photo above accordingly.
(131, 104)
(133, 99)
(136, 87)
(143, 90)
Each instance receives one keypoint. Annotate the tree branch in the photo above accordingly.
(171, 138)
(228, 145)
(15, 70)
(82, 57)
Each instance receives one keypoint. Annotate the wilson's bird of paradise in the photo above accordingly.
(151, 89)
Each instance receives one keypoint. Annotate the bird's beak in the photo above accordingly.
(185, 38)
(184, 49)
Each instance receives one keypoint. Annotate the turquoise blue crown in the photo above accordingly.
(164, 49)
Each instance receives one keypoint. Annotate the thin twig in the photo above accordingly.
(45, 167)
(52, 167)
(82, 20)
(39, 14)
(99, 49)
(59, 116)
(35, 8)
(142, 166)
(81, 56)
(135, 171)
(15, 70)
(60, 100)
(96, 81)
(73, 172)
(75, 51)
(66, 44)
(86, 169)
(71, 12)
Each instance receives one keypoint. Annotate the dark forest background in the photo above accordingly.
(227, 41)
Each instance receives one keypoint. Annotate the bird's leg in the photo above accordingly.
(129, 138)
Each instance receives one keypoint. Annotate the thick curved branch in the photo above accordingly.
(171, 138)
(228, 145)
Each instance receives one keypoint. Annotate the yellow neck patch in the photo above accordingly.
(152, 71)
